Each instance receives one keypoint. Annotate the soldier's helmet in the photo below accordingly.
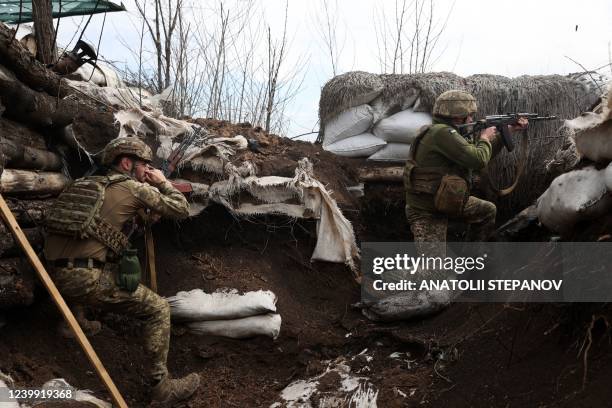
(131, 146)
(454, 104)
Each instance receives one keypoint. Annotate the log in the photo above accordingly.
(8, 246)
(21, 134)
(30, 71)
(93, 122)
(37, 108)
(27, 182)
(382, 174)
(24, 157)
(29, 213)
(16, 283)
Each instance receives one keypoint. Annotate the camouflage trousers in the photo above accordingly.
(427, 226)
(429, 230)
(97, 288)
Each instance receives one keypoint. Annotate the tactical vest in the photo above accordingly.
(76, 213)
(419, 179)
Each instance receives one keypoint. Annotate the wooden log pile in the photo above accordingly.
(36, 105)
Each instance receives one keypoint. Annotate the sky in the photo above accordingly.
(509, 38)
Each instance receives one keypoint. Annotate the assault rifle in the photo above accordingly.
(169, 165)
(501, 122)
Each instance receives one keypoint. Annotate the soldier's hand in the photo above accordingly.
(488, 134)
(154, 177)
(521, 124)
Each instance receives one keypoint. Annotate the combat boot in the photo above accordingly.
(170, 391)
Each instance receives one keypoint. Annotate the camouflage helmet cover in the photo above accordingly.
(454, 104)
(130, 145)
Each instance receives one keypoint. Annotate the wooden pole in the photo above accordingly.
(44, 31)
(150, 244)
(12, 224)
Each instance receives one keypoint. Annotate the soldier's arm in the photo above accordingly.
(455, 148)
(163, 199)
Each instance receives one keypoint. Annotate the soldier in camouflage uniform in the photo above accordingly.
(86, 270)
(444, 149)
(441, 151)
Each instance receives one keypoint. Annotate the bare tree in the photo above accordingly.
(229, 68)
(161, 34)
(327, 21)
(407, 39)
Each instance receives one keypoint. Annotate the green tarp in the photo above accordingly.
(9, 9)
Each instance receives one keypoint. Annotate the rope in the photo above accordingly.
(58, 22)
(18, 22)
(98, 50)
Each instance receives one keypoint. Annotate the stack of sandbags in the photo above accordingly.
(585, 193)
(347, 115)
(399, 131)
(227, 313)
(370, 129)
(347, 134)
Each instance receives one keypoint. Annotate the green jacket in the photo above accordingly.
(443, 146)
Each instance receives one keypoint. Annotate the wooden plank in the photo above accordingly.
(12, 224)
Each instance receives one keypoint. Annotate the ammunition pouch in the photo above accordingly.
(422, 179)
(451, 196)
(129, 273)
(449, 192)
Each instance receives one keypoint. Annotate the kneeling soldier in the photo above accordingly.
(91, 263)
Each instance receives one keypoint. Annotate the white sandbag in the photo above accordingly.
(392, 152)
(595, 143)
(6, 382)
(349, 123)
(362, 145)
(401, 127)
(264, 325)
(573, 197)
(196, 305)
(85, 396)
(608, 177)
(102, 75)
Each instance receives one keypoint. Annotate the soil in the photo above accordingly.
(480, 355)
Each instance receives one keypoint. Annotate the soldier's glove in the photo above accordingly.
(128, 277)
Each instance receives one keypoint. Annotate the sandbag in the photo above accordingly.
(263, 325)
(595, 143)
(196, 305)
(349, 123)
(6, 382)
(362, 145)
(573, 197)
(392, 152)
(401, 127)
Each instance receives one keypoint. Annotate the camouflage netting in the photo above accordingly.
(346, 91)
(557, 95)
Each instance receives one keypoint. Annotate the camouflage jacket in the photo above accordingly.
(122, 202)
(443, 146)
